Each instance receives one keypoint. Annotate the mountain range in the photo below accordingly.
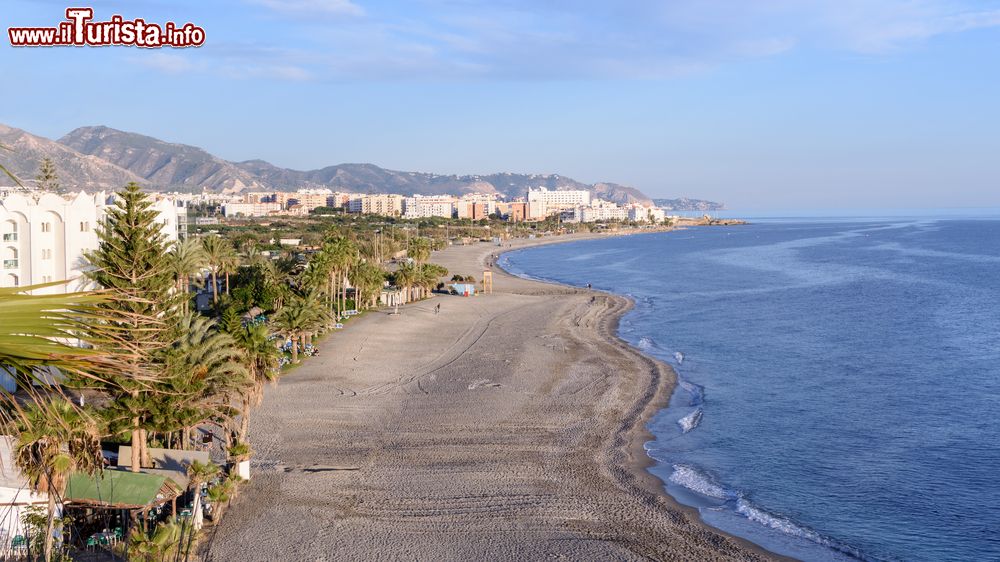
(104, 158)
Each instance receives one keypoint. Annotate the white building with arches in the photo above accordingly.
(43, 236)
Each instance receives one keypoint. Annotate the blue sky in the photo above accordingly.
(763, 104)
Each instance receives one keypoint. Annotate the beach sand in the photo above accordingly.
(507, 427)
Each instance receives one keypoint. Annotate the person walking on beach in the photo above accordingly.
(437, 308)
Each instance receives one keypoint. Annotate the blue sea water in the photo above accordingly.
(839, 382)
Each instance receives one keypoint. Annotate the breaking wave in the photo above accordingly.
(696, 391)
(690, 421)
(699, 482)
(679, 357)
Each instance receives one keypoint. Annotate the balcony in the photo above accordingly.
(10, 237)
(10, 264)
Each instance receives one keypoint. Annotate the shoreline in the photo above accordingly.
(510, 426)
(657, 398)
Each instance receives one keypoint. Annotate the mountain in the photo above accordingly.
(105, 158)
(76, 171)
(685, 204)
(177, 166)
(161, 164)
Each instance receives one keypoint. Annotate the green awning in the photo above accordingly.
(120, 489)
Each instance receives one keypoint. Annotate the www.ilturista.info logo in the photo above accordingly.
(79, 30)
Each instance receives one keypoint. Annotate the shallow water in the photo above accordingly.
(839, 381)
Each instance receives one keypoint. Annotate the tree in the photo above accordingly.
(206, 372)
(199, 473)
(419, 249)
(34, 328)
(405, 277)
(54, 440)
(187, 258)
(132, 264)
(261, 357)
(220, 257)
(47, 178)
(368, 280)
(299, 318)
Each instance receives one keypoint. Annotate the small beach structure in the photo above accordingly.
(464, 289)
(120, 489)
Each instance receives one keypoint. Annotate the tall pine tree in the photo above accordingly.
(47, 178)
(131, 263)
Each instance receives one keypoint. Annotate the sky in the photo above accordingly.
(761, 104)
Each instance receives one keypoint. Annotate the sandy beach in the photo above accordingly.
(507, 427)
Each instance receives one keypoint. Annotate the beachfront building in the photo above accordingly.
(543, 202)
(43, 236)
(385, 204)
(640, 213)
(600, 210)
(422, 206)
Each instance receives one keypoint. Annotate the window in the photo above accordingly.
(46, 227)
(47, 254)
(84, 226)
(46, 278)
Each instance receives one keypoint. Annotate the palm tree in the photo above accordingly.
(406, 276)
(34, 328)
(428, 276)
(161, 544)
(419, 249)
(297, 319)
(261, 356)
(198, 473)
(207, 371)
(343, 255)
(368, 280)
(186, 259)
(54, 440)
(220, 257)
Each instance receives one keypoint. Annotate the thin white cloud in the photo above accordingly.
(165, 62)
(313, 7)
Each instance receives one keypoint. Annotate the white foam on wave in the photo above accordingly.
(788, 527)
(645, 343)
(696, 391)
(690, 421)
(699, 482)
(679, 357)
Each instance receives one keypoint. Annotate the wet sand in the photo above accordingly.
(507, 427)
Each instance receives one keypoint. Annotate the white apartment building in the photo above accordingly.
(638, 213)
(385, 204)
(250, 209)
(43, 236)
(422, 206)
(543, 202)
(600, 210)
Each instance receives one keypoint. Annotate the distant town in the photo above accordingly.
(570, 206)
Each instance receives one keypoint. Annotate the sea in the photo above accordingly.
(838, 391)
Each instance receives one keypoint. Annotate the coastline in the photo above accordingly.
(635, 428)
(365, 455)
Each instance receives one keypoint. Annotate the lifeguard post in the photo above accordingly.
(488, 282)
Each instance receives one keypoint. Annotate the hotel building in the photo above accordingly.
(43, 236)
